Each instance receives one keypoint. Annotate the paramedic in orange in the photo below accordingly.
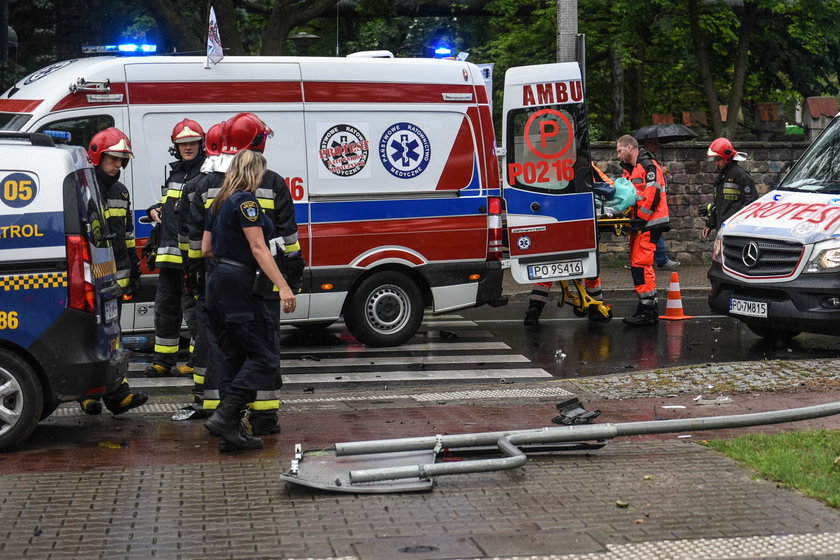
(650, 218)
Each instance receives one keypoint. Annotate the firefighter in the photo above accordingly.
(109, 151)
(204, 346)
(241, 132)
(734, 187)
(649, 217)
(236, 237)
(173, 303)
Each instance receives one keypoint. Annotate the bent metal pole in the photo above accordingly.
(507, 441)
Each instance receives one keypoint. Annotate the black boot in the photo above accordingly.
(645, 315)
(263, 423)
(532, 316)
(224, 423)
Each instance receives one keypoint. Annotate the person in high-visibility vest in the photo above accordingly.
(649, 218)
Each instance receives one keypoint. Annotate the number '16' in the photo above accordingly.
(17, 190)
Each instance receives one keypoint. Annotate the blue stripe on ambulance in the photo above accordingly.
(365, 210)
(565, 208)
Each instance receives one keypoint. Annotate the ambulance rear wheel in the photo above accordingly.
(21, 399)
(385, 310)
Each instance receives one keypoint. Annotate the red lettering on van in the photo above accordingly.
(562, 92)
(528, 96)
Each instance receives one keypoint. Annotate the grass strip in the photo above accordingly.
(808, 461)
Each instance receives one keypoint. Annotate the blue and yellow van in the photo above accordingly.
(59, 315)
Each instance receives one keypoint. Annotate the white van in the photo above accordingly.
(776, 263)
(392, 165)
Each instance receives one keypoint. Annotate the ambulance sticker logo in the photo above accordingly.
(344, 150)
(524, 243)
(405, 150)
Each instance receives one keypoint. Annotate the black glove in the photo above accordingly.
(133, 288)
(637, 225)
(292, 269)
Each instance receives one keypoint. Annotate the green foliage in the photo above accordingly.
(804, 460)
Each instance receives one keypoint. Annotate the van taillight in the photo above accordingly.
(494, 229)
(80, 289)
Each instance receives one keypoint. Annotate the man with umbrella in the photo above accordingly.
(652, 137)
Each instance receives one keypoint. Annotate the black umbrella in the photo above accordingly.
(665, 133)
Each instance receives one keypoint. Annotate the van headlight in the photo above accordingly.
(825, 258)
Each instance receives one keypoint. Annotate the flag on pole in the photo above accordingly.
(214, 41)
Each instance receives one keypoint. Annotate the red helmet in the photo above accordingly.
(187, 131)
(245, 131)
(111, 141)
(215, 139)
(722, 148)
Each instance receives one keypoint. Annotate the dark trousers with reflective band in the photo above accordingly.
(172, 306)
(246, 334)
(642, 249)
(119, 389)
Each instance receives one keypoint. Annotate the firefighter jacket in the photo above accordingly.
(120, 220)
(734, 189)
(172, 241)
(273, 196)
(651, 205)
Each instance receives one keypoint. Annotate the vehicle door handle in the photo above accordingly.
(535, 207)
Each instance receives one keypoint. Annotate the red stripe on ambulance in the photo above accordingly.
(19, 105)
(578, 235)
(436, 239)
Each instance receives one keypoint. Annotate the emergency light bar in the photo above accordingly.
(61, 135)
(125, 48)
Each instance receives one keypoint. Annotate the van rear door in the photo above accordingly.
(547, 178)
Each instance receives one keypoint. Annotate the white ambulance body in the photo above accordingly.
(391, 164)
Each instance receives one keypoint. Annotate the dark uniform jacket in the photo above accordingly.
(172, 240)
(734, 189)
(273, 196)
(120, 220)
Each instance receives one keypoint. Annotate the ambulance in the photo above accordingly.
(59, 327)
(776, 263)
(392, 164)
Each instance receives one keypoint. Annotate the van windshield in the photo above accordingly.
(13, 121)
(818, 170)
(550, 149)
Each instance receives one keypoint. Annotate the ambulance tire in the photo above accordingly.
(23, 399)
(386, 309)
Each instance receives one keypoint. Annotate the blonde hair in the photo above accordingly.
(244, 174)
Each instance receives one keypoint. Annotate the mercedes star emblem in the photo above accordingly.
(750, 254)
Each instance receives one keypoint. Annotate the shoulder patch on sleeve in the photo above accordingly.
(651, 176)
(250, 210)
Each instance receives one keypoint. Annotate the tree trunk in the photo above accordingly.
(703, 62)
(184, 35)
(285, 16)
(617, 125)
(226, 17)
(737, 92)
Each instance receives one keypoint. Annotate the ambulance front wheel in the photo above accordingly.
(385, 310)
(21, 399)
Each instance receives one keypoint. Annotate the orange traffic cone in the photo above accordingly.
(674, 309)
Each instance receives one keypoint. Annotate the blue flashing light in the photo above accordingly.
(132, 48)
(61, 135)
(126, 48)
(442, 51)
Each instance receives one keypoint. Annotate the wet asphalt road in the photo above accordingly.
(567, 346)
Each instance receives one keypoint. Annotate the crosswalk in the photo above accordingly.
(446, 348)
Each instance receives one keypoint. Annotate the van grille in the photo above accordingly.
(774, 258)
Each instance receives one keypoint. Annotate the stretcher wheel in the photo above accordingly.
(579, 312)
(597, 313)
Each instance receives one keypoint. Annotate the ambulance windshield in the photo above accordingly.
(548, 149)
(818, 170)
(13, 121)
